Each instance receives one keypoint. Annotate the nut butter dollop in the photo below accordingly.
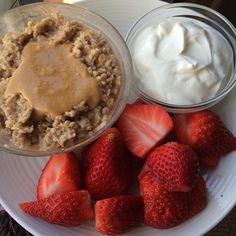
(52, 80)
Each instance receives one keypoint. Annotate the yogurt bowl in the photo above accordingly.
(183, 57)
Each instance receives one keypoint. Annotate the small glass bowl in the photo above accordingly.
(16, 20)
(198, 13)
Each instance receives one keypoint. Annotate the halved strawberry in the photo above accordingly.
(144, 126)
(67, 209)
(119, 214)
(61, 174)
(206, 134)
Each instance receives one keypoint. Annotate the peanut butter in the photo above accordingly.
(52, 80)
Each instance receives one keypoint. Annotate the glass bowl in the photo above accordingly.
(16, 19)
(197, 13)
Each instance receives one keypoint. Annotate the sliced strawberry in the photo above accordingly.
(143, 127)
(197, 198)
(61, 174)
(67, 209)
(206, 134)
(107, 166)
(162, 209)
(119, 214)
(175, 165)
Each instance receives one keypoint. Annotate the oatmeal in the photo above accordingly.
(51, 71)
(59, 81)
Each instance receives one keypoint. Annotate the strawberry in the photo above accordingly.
(67, 209)
(143, 127)
(175, 165)
(197, 198)
(143, 170)
(206, 134)
(119, 214)
(61, 174)
(210, 162)
(162, 209)
(107, 166)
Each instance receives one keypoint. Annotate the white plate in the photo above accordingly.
(19, 175)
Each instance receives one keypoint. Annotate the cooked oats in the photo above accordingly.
(90, 47)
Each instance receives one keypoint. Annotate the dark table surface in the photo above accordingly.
(22, 2)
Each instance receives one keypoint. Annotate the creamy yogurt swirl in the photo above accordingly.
(181, 62)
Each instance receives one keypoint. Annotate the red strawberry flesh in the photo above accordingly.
(175, 165)
(143, 127)
(67, 209)
(206, 134)
(107, 166)
(162, 209)
(61, 174)
(197, 198)
(119, 214)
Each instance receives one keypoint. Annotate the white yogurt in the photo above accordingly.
(181, 62)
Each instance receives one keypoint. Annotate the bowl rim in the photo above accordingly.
(174, 107)
(123, 99)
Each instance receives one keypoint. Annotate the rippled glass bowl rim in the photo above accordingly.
(123, 96)
(193, 107)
